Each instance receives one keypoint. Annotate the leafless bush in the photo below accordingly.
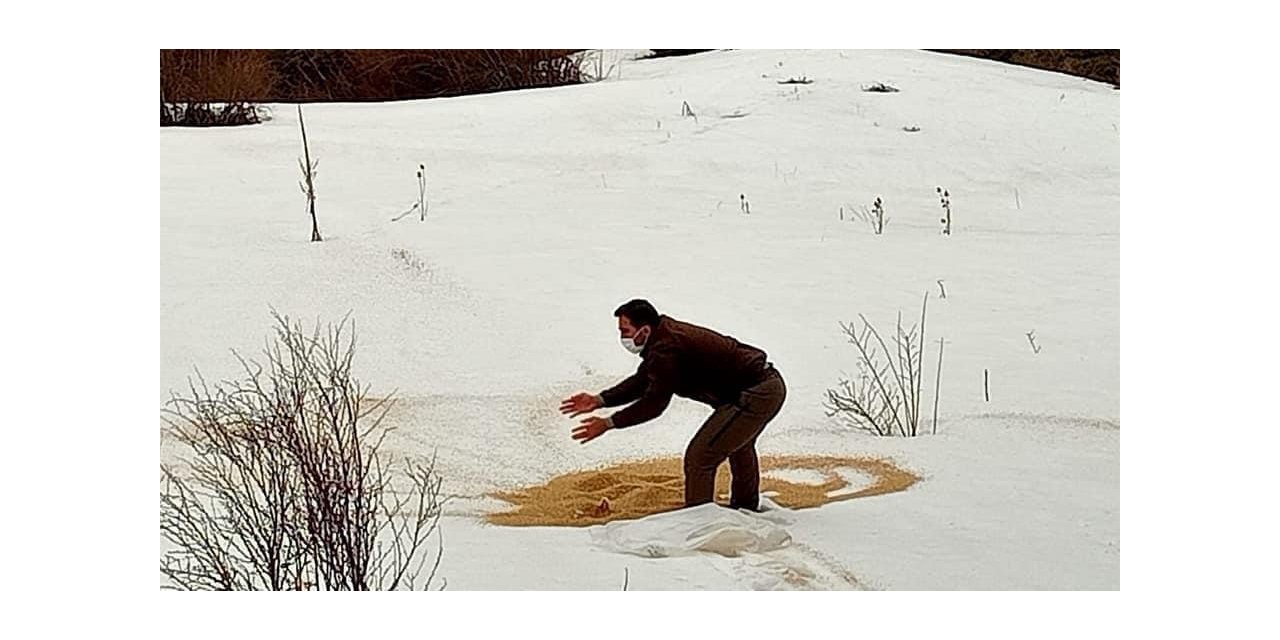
(1102, 65)
(283, 484)
(207, 114)
(213, 87)
(306, 75)
(884, 398)
(216, 75)
(397, 74)
(592, 65)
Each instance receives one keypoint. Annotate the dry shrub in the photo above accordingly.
(884, 398)
(213, 87)
(1102, 65)
(282, 483)
(216, 75)
(307, 75)
(385, 74)
(206, 114)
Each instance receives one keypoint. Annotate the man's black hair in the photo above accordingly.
(639, 312)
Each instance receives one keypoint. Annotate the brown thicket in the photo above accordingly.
(1102, 65)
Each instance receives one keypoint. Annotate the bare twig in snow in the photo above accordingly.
(407, 212)
(309, 173)
(937, 388)
(687, 111)
(422, 192)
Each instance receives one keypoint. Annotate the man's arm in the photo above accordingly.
(627, 391)
(657, 394)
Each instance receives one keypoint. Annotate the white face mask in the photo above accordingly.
(630, 345)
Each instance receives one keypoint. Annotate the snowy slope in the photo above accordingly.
(549, 207)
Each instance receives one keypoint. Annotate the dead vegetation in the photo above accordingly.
(309, 75)
(1102, 65)
(281, 482)
(884, 398)
(214, 77)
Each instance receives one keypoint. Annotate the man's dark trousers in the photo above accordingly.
(730, 433)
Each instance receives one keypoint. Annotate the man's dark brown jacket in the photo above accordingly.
(689, 361)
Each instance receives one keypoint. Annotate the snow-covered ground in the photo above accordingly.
(550, 207)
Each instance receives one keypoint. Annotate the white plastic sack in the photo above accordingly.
(709, 527)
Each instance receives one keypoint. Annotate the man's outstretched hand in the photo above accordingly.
(580, 404)
(590, 429)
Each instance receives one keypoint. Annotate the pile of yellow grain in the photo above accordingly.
(631, 490)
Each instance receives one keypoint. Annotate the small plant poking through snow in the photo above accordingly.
(421, 204)
(944, 198)
(911, 129)
(687, 112)
(308, 185)
(1031, 337)
(884, 399)
(422, 192)
(877, 216)
(873, 216)
(880, 87)
(796, 80)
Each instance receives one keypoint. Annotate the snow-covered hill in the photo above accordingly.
(550, 207)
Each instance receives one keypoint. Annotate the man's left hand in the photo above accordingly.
(590, 429)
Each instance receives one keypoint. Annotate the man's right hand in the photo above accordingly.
(579, 404)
